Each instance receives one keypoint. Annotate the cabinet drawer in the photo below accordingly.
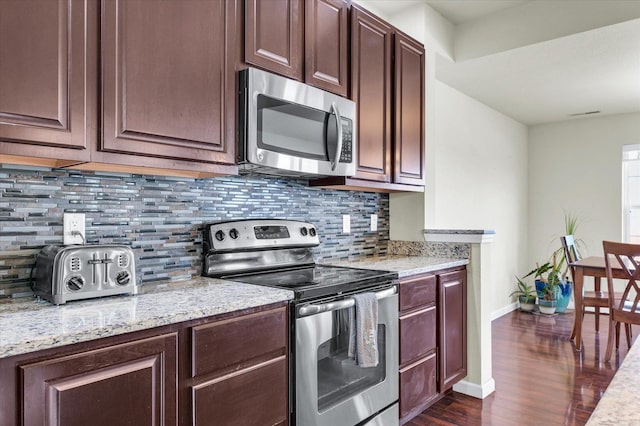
(235, 341)
(417, 384)
(254, 396)
(417, 291)
(417, 334)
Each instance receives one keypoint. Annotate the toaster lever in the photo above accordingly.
(106, 262)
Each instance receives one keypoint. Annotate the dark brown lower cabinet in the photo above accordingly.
(418, 385)
(253, 396)
(452, 292)
(230, 369)
(240, 370)
(131, 384)
(433, 349)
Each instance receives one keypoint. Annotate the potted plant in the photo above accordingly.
(548, 279)
(540, 278)
(526, 296)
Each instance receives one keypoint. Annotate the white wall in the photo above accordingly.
(481, 181)
(476, 165)
(576, 166)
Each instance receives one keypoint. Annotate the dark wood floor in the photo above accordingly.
(540, 378)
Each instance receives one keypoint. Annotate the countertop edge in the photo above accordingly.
(28, 337)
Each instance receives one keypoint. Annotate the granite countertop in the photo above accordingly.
(28, 325)
(619, 404)
(404, 266)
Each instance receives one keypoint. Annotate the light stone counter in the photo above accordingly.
(404, 265)
(619, 404)
(28, 325)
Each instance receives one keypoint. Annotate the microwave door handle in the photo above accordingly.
(307, 310)
(336, 156)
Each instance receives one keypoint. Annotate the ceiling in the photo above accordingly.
(459, 11)
(596, 70)
(593, 68)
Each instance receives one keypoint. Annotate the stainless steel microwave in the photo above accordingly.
(288, 128)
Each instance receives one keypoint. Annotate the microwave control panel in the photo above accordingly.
(346, 155)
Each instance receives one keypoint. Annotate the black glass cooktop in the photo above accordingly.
(317, 281)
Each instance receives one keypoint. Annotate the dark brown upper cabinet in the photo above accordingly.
(371, 41)
(303, 40)
(387, 84)
(168, 81)
(168, 89)
(409, 111)
(326, 44)
(48, 77)
(274, 30)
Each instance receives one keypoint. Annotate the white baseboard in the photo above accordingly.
(475, 390)
(503, 311)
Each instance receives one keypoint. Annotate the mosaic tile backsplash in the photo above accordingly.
(161, 218)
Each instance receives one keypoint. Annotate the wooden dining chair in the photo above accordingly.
(594, 299)
(623, 309)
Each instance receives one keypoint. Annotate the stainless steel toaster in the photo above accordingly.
(75, 272)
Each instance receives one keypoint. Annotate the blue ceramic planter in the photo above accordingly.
(547, 306)
(563, 296)
(540, 288)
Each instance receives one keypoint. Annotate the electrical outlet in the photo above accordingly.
(346, 224)
(374, 222)
(73, 229)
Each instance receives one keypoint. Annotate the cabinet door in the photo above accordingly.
(417, 334)
(417, 385)
(417, 291)
(274, 30)
(253, 396)
(409, 112)
(237, 342)
(169, 79)
(326, 37)
(128, 384)
(452, 308)
(48, 86)
(371, 90)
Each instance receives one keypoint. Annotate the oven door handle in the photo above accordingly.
(307, 310)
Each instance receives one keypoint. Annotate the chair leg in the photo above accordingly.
(573, 331)
(596, 287)
(610, 338)
(627, 329)
(617, 335)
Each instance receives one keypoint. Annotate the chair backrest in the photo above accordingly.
(625, 259)
(571, 253)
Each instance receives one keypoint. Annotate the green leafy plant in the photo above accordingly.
(524, 290)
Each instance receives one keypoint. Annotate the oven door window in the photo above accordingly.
(293, 129)
(339, 377)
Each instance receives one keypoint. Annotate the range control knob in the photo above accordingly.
(303, 231)
(75, 283)
(234, 233)
(220, 235)
(123, 278)
(312, 232)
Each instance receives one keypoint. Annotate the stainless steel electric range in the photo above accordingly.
(327, 387)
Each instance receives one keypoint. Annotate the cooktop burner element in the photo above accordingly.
(278, 253)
